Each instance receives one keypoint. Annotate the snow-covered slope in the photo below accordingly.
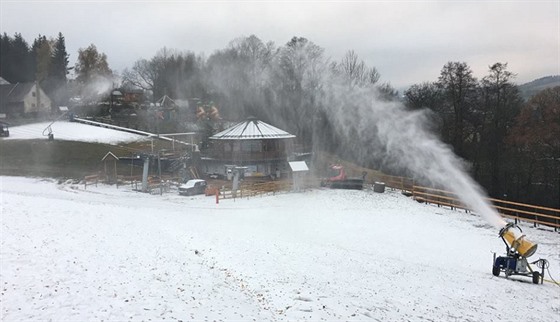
(71, 131)
(115, 254)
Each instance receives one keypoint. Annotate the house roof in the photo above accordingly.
(110, 155)
(14, 93)
(252, 129)
(166, 101)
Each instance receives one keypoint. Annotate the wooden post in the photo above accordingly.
(159, 174)
(131, 167)
(536, 218)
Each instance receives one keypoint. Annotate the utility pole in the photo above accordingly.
(145, 173)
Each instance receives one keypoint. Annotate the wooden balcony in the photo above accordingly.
(247, 156)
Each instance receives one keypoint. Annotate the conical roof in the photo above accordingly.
(252, 129)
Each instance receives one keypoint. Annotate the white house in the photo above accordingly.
(23, 99)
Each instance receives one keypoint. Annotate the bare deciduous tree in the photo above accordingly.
(91, 64)
(458, 86)
(355, 71)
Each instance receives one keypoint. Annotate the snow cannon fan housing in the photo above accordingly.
(517, 243)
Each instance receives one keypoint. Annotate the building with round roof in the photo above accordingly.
(258, 146)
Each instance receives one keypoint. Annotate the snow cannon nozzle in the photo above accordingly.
(516, 242)
(508, 226)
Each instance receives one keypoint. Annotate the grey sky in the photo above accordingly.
(407, 41)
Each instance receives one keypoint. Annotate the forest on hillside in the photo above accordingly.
(510, 144)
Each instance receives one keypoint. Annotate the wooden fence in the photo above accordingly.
(406, 185)
(537, 215)
(256, 189)
(517, 211)
(437, 196)
(91, 179)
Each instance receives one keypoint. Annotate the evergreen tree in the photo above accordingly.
(23, 60)
(41, 52)
(58, 72)
(5, 63)
(17, 61)
(59, 65)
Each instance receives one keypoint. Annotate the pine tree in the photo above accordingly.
(59, 64)
(58, 71)
(41, 54)
(16, 64)
(5, 52)
(22, 60)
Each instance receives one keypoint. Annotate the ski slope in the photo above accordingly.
(70, 254)
(72, 131)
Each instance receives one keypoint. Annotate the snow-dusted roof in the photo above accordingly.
(298, 166)
(252, 129)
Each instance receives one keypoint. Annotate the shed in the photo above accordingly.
(111, 177)
(299, 170)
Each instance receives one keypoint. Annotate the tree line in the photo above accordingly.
(511, 146)
(46, 62)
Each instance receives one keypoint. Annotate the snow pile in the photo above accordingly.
(71, 131)
(115, 254)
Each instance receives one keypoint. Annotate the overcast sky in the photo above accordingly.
(407, 41)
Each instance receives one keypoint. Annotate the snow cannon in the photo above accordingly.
(518, 248)
(516, 242)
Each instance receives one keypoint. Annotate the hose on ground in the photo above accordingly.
(544, 264)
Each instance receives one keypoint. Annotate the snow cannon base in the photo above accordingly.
(517, 250)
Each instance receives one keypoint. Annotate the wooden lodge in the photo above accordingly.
(259, 147)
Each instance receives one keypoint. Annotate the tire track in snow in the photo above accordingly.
(237, 283)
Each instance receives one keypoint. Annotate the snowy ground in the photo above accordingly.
(71, 131)
(115, 254)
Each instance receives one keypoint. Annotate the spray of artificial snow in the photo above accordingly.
(404, 141)
(383, 134)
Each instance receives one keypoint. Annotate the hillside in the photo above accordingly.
(339, 255)
(533, 87)
(109, 253)
(77, 149)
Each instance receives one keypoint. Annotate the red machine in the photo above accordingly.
(337, 179)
